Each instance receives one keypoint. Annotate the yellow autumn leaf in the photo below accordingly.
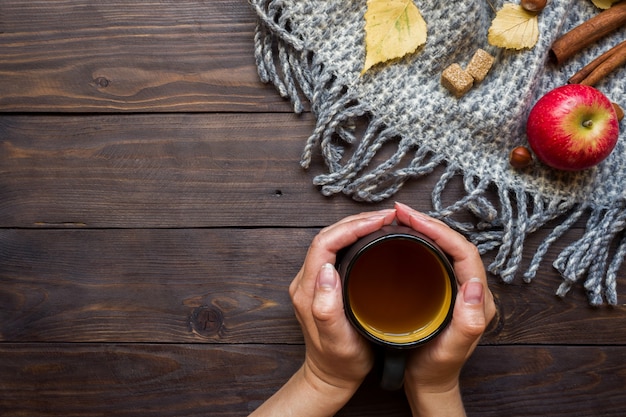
(604, 4)
(393, 28)
(514, 28)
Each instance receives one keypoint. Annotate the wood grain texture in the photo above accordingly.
(141, 285)
(140, 380)
(189, 170)
(218, 286)
(232, 380)
(153, 213)
(120, 56)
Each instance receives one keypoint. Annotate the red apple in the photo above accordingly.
(572, 127)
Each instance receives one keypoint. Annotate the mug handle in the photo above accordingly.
(393, 369)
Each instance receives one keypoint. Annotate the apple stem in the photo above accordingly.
(587, 123)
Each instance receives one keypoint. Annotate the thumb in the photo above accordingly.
(469, 319)
(327, 307)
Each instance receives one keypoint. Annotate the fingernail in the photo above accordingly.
(384, 213)
(374, 217)
(474, 290)
(420, 216)
(327, 279)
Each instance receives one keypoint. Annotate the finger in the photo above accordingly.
(362, 215)
(467, 260)
(335, 332)
(469, 320)
(323, 250)
(468, 263)
(349, 228)
(333, 238)
(452, 242)
(331, 231)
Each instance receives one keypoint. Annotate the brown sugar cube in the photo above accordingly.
(455, 79)
(479, 65)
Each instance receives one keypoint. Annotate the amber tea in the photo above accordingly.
(399, 289)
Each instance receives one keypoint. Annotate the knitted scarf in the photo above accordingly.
(313, 50)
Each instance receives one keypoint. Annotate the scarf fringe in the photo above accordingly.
(595, 257)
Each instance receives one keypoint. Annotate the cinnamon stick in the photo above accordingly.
(600, 67)
(588, 32)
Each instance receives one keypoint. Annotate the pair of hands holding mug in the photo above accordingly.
(338, 358)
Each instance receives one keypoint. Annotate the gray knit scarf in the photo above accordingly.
(313, 50)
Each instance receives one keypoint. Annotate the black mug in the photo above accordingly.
(399, 290)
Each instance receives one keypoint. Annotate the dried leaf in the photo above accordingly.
(393, 28)
(604, 4)
(514, 28)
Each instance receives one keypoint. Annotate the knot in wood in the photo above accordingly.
(102, 82)
(206, 320)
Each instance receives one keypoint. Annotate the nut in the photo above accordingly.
(533, 5)
(618, 111)
(520, 157)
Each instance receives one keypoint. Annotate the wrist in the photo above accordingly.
(305, 395)
(435, 401)
(328, 388)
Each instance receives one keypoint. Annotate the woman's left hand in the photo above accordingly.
(336, 355)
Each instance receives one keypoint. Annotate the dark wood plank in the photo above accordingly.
(167, 171)
(120, 56)
(194, 380)
(143, 285)
(145, 258)
(220, 286)
(545, 381)
(140, 380)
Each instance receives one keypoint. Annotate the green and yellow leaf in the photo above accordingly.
(514, 28)
(393, 29)
(604, 4)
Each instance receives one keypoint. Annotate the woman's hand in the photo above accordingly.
(337, 357)
(432, 374)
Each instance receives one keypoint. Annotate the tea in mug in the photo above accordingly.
(399, 290)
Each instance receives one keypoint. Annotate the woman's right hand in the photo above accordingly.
(432, 374)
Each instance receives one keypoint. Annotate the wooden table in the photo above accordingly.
(153, 213)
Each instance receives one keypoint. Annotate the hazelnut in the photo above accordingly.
(618, 111)
(520, 157)
(533, 5)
